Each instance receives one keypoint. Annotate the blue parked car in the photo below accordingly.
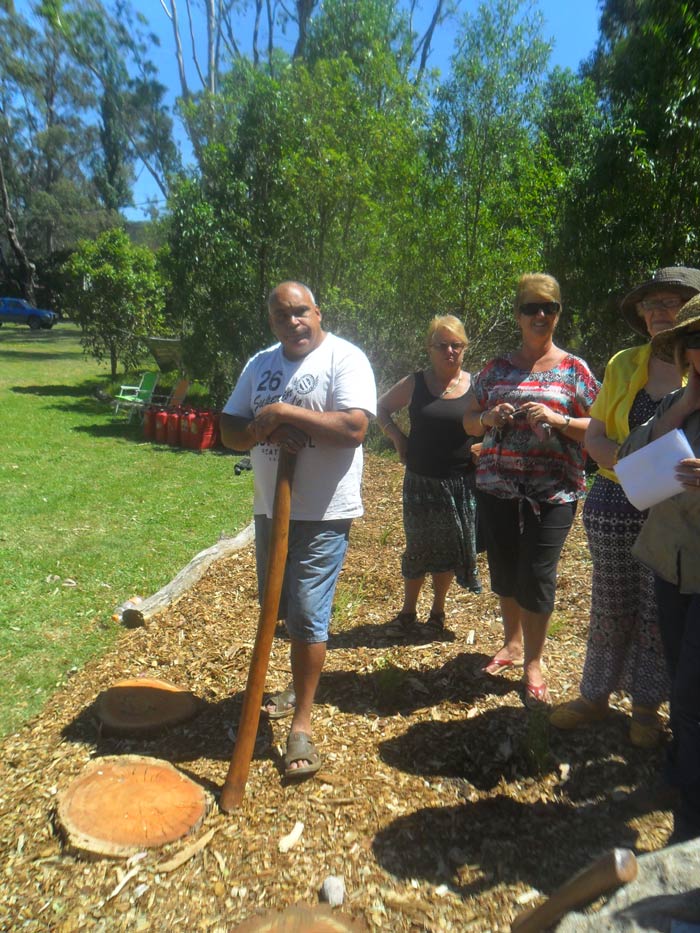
(19, 311)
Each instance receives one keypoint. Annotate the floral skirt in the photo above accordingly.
(440, 524)
(624, 650)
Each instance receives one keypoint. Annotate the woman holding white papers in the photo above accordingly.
(669, 544)
(624, 649)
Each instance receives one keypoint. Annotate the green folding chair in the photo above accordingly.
(135, 398)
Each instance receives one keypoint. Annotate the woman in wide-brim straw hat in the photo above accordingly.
(669, 544)
(624, 650)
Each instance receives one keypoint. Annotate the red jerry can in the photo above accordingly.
(187, 420)
(161, 429)
(203, 431)
(173, 430)
(196, 430)
(149, 422)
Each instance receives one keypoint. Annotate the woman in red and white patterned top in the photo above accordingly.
(532, 408)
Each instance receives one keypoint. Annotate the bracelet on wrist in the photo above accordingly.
(481, 421)
(567, 422)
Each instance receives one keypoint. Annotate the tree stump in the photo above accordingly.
(119, 805)
(300, 919)
(143, 705)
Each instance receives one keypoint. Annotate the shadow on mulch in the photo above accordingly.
(378, 636)
(386, 691)
(540, 844)
(390, 689)
(517, 745)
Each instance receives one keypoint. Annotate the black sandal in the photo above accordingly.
(401, 624)
(436, 620)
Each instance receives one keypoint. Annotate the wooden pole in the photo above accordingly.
(619, 866)
(234, 786)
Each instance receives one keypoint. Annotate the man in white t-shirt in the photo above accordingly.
(312, 394)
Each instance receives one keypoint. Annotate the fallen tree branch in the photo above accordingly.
(188, 576)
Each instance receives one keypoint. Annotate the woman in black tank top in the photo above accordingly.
(439, 509)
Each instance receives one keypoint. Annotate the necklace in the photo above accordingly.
(450, 386)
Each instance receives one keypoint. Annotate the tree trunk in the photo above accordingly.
(304, 11)
(27, 269)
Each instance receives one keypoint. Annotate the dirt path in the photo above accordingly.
(442, 802)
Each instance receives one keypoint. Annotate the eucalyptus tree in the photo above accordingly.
(493, 176)
(44, 137)
(305, 182)
(572, 127)
(112, 47)
(634, 203)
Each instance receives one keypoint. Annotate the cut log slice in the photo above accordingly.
(122, 804)
(144, 705)
(300, 919)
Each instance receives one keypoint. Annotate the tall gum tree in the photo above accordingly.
(486, 152)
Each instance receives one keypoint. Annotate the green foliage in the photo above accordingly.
(45, 138)
(497, 182)
(116, 293)
(79, 105)
(389, 683)
(310, 179)
(392, 195)
(632, 201)
(359, 29)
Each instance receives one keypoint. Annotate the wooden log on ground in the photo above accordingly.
(188, 576)
(119, 805)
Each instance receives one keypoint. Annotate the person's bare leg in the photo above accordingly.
(534, 626)
(441, 584)
(511, 613)
(307, 664)
(411, 592)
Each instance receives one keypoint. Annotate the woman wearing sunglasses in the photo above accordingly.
(624, 649)
(532, 408)
(668, 545)
(439, 509)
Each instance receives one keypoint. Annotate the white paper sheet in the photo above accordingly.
(648, 476)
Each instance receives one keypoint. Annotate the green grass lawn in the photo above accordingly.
(91, 513)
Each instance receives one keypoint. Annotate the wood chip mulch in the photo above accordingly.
(442, 802)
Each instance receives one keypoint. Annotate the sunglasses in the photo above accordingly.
(661, 304)
(444, 347)
(530, 308)
(691, 341)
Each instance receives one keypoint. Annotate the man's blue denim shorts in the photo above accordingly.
(314, 561)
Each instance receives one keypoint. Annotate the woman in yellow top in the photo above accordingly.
(624, 650)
